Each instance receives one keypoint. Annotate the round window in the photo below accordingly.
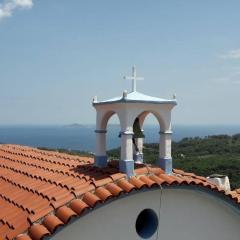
(146, 223)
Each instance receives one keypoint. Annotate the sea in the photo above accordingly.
(82, 137)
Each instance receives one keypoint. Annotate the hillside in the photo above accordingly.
(203, 156)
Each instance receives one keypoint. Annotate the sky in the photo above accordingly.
(55, 56)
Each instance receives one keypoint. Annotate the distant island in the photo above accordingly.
(79, 125)
(75, 125)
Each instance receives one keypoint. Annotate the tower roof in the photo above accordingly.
(136, 97)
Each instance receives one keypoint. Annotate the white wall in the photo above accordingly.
(185, 215)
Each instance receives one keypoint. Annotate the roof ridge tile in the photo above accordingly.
(91, 199)
(103, 193)
(114, 189)
(38, 231)
(125, 185)
(137, 182)
(65, 214)
(78, 206)
(52, 222)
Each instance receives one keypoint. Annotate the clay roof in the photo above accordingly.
(43, 190)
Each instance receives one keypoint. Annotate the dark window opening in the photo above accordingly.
(146, 223)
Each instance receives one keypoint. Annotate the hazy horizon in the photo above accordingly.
(112, 124)
(83, 137)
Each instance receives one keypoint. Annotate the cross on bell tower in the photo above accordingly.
(134, 79)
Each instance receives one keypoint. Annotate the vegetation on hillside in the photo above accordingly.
(203, 156)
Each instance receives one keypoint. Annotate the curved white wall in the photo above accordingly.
(184, 215)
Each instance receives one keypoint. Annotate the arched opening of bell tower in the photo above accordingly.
(146, 128)
(113, 137)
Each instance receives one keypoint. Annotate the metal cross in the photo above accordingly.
(134, 79)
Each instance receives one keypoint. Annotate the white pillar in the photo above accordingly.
(126, 164)
(165, 152)
(100, 155)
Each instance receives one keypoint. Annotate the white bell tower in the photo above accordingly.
(128, 108)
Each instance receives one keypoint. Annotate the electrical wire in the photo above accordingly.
(159, 212)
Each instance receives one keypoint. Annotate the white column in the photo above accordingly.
(100, 155)
(126, 146)
(126, 164)
(165, 152)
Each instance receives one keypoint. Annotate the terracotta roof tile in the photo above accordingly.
(103, 181)
(103, 193)
(43, 190)
(23, 237)
(117, 176)
(38, 231)
(149, 182)
(114, 189)
(81, 189)
(78, 206)
(156, 179)
(40, 214)
(65, 214)
(51, 222)
(141, 169)
(155, 170)
(91, 199)
(137, 182)
(4, 229)
(125, 185)
(169, 179)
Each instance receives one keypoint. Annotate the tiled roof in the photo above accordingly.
(43, 190)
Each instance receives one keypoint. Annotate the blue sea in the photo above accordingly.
(83, 137)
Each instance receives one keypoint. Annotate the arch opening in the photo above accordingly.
(113, 140)
(146, 129)
(105, 119)
(102, 137)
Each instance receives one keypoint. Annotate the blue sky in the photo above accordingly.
(55, 56)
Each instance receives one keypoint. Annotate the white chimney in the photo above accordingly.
(221, 181)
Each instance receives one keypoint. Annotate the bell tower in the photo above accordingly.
(132, 109)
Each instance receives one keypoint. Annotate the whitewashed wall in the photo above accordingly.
(184, 215)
